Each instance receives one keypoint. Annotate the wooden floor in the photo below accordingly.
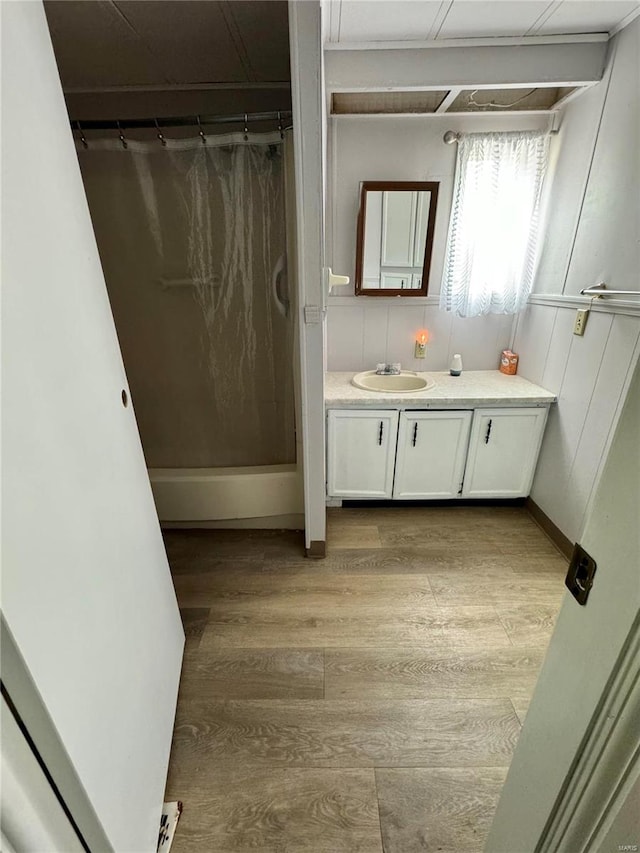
(367, 702)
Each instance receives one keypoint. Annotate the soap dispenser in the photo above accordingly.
(455, 368)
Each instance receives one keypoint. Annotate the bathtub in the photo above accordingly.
(259, 496)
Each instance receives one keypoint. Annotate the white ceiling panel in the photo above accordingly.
(388, 20)
(95, 46)
(474, 19)
(111, 43)
(190, 38)
(427, 20)
(577, 16)
(263, 27)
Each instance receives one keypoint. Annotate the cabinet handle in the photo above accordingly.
(415, 433)
(380, 431)
(486, 438)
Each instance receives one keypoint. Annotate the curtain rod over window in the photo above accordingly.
(452, 136)
(179, 121)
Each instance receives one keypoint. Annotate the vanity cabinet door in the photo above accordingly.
(503, 452)
(396, 281)
(361, 453)
(432, 448)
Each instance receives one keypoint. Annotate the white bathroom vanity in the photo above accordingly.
(477, 435)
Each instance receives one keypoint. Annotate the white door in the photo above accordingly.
(422, 222)
(432, 448)
(361, 453)
(86, 590)
(574, 686)
(398, 228)
(31, 818)
(503, 450)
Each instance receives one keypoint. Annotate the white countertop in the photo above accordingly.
(472, 389)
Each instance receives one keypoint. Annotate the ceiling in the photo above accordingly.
(356, 21)
(103, 44)
(137, 58)
(162, 43)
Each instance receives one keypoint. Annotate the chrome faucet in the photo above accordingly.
(392, 369)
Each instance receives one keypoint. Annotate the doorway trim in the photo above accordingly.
(607, 763)
(305, 36)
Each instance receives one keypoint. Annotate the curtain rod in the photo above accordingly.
(178, 121)
(452, 136)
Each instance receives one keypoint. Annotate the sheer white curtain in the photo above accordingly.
(495, 217)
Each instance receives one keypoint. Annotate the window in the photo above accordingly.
(493, 233)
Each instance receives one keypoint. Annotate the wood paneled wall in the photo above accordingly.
(590, 374)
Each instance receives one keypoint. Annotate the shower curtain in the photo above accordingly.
(193, 246)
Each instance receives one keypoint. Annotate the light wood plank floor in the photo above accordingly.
(367, 702)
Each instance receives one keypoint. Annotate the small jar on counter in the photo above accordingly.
(455, 368)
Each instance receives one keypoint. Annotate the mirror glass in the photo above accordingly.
(395, 237)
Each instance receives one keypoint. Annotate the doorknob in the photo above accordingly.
(579, 578)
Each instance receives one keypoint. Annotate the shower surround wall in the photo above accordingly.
(192, 239)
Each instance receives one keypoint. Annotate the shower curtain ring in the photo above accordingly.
(82, 136)
(160, 134)
(121, 136)
(280, 125)
(201, 131)
(246, 129)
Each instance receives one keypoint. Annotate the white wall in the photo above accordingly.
(592, 234)
(362, 331)
(86, 590)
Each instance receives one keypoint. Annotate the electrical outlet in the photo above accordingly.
(581, 321)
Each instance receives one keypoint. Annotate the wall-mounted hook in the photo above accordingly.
(121, 136)
(201, 131)
(160, 134)
(246, 128)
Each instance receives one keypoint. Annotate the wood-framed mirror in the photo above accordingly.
(396, 222)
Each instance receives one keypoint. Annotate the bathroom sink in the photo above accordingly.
(396, 383)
